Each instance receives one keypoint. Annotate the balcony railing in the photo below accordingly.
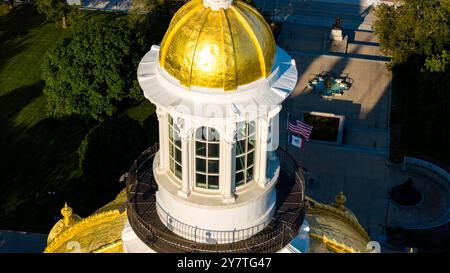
(144, 215)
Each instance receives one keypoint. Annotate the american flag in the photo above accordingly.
(300, 128)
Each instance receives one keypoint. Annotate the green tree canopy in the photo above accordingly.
(57, 10)
(417, 36)
(92, 72)
(416, 28)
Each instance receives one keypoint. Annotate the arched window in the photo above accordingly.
(245, 152)
(175, 149)
(207, 152)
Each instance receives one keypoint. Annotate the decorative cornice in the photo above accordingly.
(160, 113)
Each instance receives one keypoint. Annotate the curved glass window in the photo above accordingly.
(207, 152)
(174, 149)
(245, 152)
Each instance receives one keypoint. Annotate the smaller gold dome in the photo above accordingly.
(217, 48)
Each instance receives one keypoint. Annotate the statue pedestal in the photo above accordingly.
(336, 35)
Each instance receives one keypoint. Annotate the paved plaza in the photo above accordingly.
(359, 166)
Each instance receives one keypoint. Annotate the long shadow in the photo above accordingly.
(34, 161)
(43, 166)
(10, 104)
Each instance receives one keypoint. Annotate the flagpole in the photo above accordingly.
(287, 131)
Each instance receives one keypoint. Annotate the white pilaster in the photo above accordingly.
(263, 132)
(163, 136)
(185, 136)
(229, 163)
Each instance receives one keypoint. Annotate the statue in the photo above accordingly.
(336, 30)
(337, 23)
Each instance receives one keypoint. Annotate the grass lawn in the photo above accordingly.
(38, 154)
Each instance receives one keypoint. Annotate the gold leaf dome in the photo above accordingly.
(219, 48)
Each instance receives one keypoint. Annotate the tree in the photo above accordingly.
(92, 71)
(415, 29)
(57, 10)
(417, 36)
(434, 95)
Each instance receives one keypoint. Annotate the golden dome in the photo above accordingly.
(217, 48)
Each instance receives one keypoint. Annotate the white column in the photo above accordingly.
(185, 135)
(229, 159)
(263, 132)
(163, 139)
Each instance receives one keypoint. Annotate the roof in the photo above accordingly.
(331, 230)
(217, 48)
(100, 232)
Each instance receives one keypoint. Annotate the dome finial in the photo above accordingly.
(217, 4)
(66, 212)
(340, 200)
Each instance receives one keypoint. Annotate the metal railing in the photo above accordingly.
(176, 236)
(289, 165)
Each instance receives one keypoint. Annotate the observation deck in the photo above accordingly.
(144, 215)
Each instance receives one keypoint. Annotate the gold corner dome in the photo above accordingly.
(219, 48)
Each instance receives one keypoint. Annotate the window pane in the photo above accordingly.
(251, 128)
(240, 147)
(200, 165)
(171, 149)
(240, 163)
(178, 171)
(251, 144)
(170, 133)
(213, 135)
(199, 133)
(178, 156)
(213, 182)
(172, 167)
(200, 180)
(213, 166)
(240, 130)
(239, 178)
(177, 141)
(249, 174)
(176, 128)
(213, 150)
(250, 158)
(200, 148)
